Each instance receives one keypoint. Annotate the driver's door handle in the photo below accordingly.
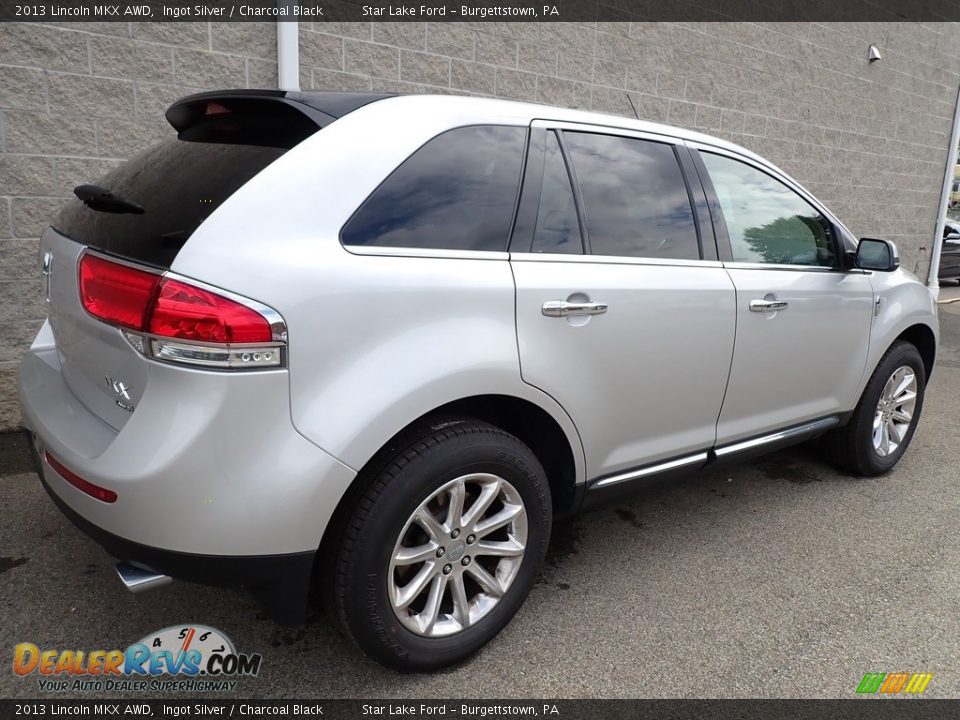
(562, 308)
(768, 305)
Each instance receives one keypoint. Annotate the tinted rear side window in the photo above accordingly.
(457, 192)
(557, 229)
(178, 184)
(635, 200)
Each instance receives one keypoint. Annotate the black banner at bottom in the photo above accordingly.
(854, 709)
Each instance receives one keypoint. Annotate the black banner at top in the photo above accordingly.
(477, 10)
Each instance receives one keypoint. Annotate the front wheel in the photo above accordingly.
(886, 417)
(443, 546)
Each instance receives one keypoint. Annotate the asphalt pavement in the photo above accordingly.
(778, 578)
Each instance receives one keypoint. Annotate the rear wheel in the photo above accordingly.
(443, 546)
(886, 417)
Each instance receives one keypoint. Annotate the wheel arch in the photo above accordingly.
(523, 418)
(533, 426)
(916, 331)
(922, 337)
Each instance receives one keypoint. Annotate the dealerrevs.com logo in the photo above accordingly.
(180, 658)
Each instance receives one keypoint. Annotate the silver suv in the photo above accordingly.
(383, 342)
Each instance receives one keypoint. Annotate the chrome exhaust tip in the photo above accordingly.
(138, 580)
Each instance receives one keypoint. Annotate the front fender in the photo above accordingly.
(903, 303)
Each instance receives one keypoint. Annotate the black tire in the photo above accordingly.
(399, 481)
(851, 447)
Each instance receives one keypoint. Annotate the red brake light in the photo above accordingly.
(116, 293)
(149, 302)
(187, 312)
(101, 494)
(215, 108)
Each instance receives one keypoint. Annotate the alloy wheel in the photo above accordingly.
(457, 555)
(895, 410)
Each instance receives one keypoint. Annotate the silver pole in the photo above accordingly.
(932, 280)
(288, 52)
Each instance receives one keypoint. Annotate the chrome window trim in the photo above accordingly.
(651, 470)
(548, 124)
(780, 267)
(806, 428)
(776, 173)
(390, 251)
(611, 260)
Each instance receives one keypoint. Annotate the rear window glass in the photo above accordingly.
(457, 192)
(635, 199)
(558, 229)
(177, 183)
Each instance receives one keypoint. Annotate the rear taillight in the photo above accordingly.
(178, 320)
(115, 293)
(185, 311)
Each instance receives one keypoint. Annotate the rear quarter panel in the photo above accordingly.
(375, 341)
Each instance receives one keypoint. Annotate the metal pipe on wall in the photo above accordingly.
(288, 55)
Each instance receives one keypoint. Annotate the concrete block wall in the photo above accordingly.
(75, 100)
(869, 139)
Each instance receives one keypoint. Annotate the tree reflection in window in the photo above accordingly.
(768, 222)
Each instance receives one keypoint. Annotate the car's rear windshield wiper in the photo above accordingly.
(102, 200)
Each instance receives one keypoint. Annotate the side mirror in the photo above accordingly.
(952, 236)
(879, 255)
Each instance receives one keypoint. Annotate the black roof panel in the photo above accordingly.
(336, 104)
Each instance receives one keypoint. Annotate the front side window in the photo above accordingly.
(635, 200)
(457, 192)
(768, 222)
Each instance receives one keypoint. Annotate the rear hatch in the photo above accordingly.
(145, 210)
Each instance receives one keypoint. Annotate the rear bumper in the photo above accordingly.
(280, 582)
(213, 482)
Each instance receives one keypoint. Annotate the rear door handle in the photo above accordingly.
(768, 305)
(562, 308)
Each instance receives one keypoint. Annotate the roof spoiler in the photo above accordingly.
(275, 118)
